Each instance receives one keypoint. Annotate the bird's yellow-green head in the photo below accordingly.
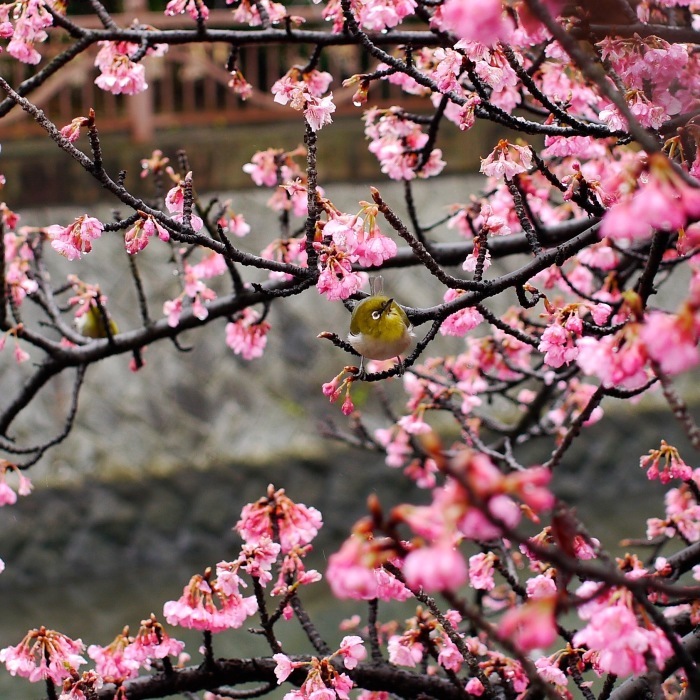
(379, 328)
(92, 325)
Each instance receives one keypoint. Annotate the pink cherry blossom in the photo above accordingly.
(449, 657)
(437, 568)
(296, 523)
(72, 131)
(173, 310)
(531, 625)
(7, 496)
(247, 12)
(74, 240)
(481, 571)
(615, 360)
(257, 558)
(81, 687)
(293, 573)
(118, 73)
(247, 335)
(305, 91)
(397, 144)
(231, 222)
(175, 202)
(475, 525)
(318, 111)
(664, 202)
(475, 687)
(194, 8)
(287, 89)
(558, 346)
(136, 238)
(477, 20)
(43, 655)
(548, 669)
(682, 516)
(20, 354)
(506, 161)
(375, 15)
(672, 340)
(207, 604)
(620, 643)
(240, 86)
(352, 650)
(405, 651)
(342, 684)
(284, 667)
(263, 167)
(31, 19)
(337, 279)
(152, 642)
(460, 322)
(673, 466)
(18, 263)
(112, 660)
(374, 248)
(353, 572)
(541, 587)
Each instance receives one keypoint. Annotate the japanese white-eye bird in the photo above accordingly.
(379, 327)
(91, 324)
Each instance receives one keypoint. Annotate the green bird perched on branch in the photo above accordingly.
(379, 327)
(91, 324)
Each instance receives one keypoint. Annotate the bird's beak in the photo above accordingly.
(387, 306)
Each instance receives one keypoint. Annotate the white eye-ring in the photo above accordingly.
(376, 315)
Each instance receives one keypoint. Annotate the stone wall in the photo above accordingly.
(161, 461)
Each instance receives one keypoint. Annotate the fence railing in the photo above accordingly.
(188, 85)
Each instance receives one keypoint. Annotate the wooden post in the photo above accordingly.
(140, 107)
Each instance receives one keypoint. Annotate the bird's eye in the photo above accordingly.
(376, 315)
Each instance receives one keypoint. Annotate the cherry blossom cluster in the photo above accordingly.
(478, 506)
(682, 505)
(196, 9)
(216, 604)
(19, 255)
(247, 334)
(86, 298)
(322, 680)
(344, 240)
(8, 495)
(194, 290)
(75, 240)
(278, 169)
(24, 23)
(212, 604)
(400, 146)
(47, 655)
(304, 91)
(208, 603)
(618, 640)
(249, 13)
(118, 73)
(43, 654)
(372, 15)
(126, 655)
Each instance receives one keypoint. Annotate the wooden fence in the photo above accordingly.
(188, 86)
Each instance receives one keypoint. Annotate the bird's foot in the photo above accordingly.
(358, 373)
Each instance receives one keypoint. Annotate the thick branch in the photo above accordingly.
(237, 671)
